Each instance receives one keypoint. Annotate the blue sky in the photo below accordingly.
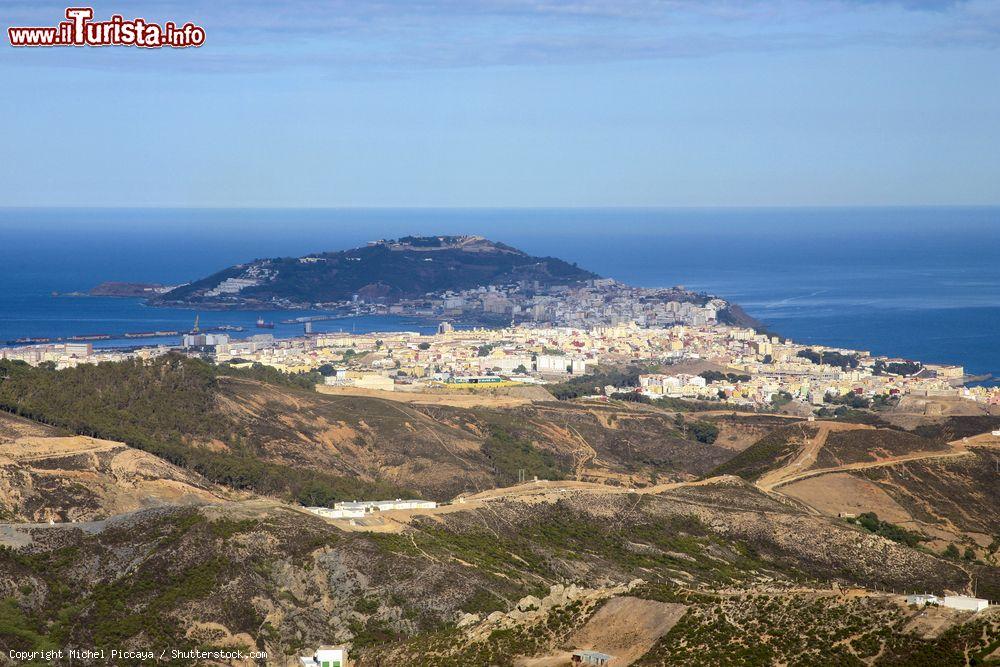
(512, 103)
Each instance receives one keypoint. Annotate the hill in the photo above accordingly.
(824, 445)
(481, 585)
(48, 475)
(384, 271)
(625, 550)
(269, 436)
(773, 450)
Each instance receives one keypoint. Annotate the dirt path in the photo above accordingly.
(583, 456)
(448, 397)
(546, 491)
(34, 448)
(744, 413)
(797, 469)
(801, 462)
(896, 460)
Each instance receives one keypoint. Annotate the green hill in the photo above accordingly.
(383, 270)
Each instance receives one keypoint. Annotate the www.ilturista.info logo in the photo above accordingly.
(81, 30)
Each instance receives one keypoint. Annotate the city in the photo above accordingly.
(741, 368)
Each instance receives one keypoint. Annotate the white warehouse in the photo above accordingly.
(385, 505)
(965, 602)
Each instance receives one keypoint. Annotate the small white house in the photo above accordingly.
(325, 656)
(922, 599)
(965, 602)
(591, 658)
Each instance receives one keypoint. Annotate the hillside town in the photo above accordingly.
(597, 302)
(738, 366)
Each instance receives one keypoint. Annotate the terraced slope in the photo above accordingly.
(48, 476)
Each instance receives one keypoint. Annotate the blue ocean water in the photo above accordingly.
(921, 283)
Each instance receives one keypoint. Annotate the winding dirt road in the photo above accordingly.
(798, 468)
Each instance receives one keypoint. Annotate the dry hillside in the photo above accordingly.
(49, 476)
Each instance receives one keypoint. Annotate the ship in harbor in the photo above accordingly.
(261, 324)
(150, 334)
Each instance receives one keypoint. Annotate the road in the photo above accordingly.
(797, 469)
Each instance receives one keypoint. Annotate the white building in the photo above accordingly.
(385, 505)
(232, 286)
(965, 602)
(505, 364)
(586, 657)
(552, 363)
(79, 350)
(205, 339)
(325, 656)
(328, 513)
(921, 599)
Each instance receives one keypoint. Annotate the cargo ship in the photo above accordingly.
(86, 337)
(29, 341)
(129, 335)
(261, 324)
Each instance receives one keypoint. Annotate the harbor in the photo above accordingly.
(128, 335)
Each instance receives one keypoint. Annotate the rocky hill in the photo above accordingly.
(48, 475)
(185, 482)
(382, 270)
(481, 585)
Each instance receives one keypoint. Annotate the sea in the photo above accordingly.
(918, 283)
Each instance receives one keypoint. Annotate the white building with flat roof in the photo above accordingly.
(385, 505)
(922, 599)
(328, 513)
(965, 602)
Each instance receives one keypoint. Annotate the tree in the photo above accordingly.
(951, 551)
(521, 369)
(780, 399)
(969, 554)
(424, 346)
(896, 368)
(830, 358)
(704, 431)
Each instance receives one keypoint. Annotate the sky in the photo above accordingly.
(511, 103)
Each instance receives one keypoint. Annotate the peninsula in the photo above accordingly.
(467, 279)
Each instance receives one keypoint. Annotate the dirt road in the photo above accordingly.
(798, 468)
